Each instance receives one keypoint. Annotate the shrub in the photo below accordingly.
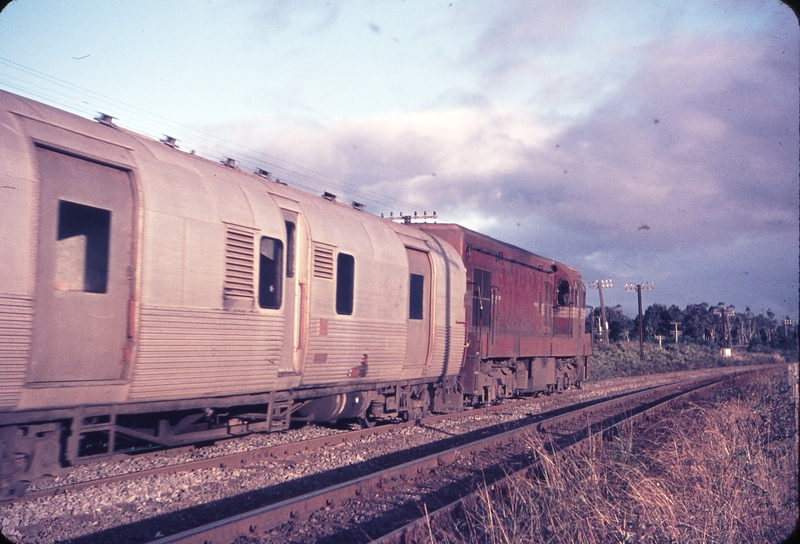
(622, 359)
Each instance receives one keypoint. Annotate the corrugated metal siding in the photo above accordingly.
(345, 341)
(186, 353)
(16, 324)
(446, 357)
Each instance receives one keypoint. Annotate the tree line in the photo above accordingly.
(701, 323)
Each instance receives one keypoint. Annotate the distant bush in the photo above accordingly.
(622, 358)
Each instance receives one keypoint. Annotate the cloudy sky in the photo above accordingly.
(635, 140)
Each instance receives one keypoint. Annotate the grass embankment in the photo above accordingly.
(716, 471)
(622, 359)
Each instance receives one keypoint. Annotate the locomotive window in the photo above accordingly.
(290, 230)
(82, 248)
(415, 296)
(563, 293)
(269, 275)
(345, 275)
(482, 298)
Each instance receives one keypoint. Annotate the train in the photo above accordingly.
(153, 298)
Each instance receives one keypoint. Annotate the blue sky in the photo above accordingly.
(637, 141)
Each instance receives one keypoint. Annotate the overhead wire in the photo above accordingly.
(208, 145)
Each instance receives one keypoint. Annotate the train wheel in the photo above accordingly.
(367, 421)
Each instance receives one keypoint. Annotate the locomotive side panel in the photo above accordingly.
(524, 316)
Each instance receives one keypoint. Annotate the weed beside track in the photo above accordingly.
(714, 471)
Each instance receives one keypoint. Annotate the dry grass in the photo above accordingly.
(722, 471)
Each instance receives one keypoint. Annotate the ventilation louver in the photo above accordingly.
(239, 262)
(323, 260)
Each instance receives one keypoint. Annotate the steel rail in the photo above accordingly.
(270, 453)
(419, 529)
(270, 516)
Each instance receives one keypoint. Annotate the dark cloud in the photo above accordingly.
(698, 142)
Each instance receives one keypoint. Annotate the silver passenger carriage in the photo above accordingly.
(150, 297)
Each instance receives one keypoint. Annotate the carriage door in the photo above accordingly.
(419, 308)
(83, 271)
(292, 349)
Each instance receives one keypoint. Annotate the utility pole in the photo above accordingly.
(787, 324)
(638, 288)
(675, 324)
(724, 313)
(599, 285)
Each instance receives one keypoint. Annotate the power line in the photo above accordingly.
(209, 145)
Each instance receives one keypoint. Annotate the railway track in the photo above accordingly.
(395, 504)
(139, 503)
(277, 452)
(251, 457)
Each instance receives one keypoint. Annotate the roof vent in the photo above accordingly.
(229, 162)
(260, 172)
(170, 141)
(329, 196)
(359, 206)
(105, 119)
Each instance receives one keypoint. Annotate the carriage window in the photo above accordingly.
(269, 275)
(82, 248)
(290, 230)
(563, 293)
(345, 275)
(415, 296)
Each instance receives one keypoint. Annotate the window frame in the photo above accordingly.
(270, 268)
(345, 283)
(87, 272)
(481, 298)
(561, 293)
(416, 296)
